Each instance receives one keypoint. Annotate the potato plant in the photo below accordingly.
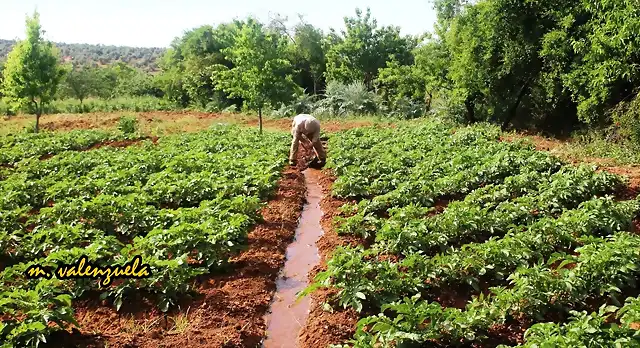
(184, 205)
(520, 235)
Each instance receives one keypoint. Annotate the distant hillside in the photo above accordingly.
(140, 57)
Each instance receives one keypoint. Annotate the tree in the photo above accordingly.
(131, 81)
(106, 81)
(594, 54)
(309, 51)
(260, 75)
(420, 81)
(32, 72)
(396, 82)
(364, 48)
(495, 63)
(188, 66)
(1, 76)
(79, 82)
(432, 63)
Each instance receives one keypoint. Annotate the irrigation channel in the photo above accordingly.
(287, 316)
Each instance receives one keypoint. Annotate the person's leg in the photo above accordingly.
(317, 145)
(312, 128)
(294, 147)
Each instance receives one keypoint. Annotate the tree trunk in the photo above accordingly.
(469, 103)
(512, 112)
(428, 106)
(315, 86)
(260, 119)
(367, 80)
(38, 121)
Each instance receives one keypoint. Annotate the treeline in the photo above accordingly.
(544, 64)
(143, 58)
(286, 69)
(117, 83)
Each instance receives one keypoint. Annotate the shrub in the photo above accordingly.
(4, 109)
(128, 124)
(230, 109)
(626, 122)
(405, 108)
(303, 104)
(135, 104)
(341, 99)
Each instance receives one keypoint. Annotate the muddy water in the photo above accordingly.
(287, 316)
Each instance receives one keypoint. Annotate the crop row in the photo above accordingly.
(16, 147)
(603, 268)
(525, 240)
(184, 205)
(407, 230)
(364, 278)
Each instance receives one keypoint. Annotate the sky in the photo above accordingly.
(154, 23)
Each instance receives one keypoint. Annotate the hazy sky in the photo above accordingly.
(156, 22)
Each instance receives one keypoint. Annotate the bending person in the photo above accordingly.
(306, 126)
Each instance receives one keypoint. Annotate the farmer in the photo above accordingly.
(306, 126)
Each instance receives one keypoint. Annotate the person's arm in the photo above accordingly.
(294, 146)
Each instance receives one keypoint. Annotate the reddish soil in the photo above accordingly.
(441, 203)
(110, 119)
(540, 143)
(455, 295)
(121, 143)
(228, 310)
(512, 334)
(111, 143)
(635, 225)
(324, 328)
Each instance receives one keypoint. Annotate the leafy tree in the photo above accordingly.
(259, 75)
(545, 61)
(309, 51)
(79, 82)
(306, 51)
(446, 11)
(32, 72)
(396, 82)
(432, 65)
(364, 48)
(131, 81)
(419, 81)
(468, 67)
(594, 53)
(1, 76)
(188, 66)
(105, 83)
(121, 80)
(278, 25)
(495, 63)
(171, 79)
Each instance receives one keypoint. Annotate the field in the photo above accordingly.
(434, 235)
(451, 237)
